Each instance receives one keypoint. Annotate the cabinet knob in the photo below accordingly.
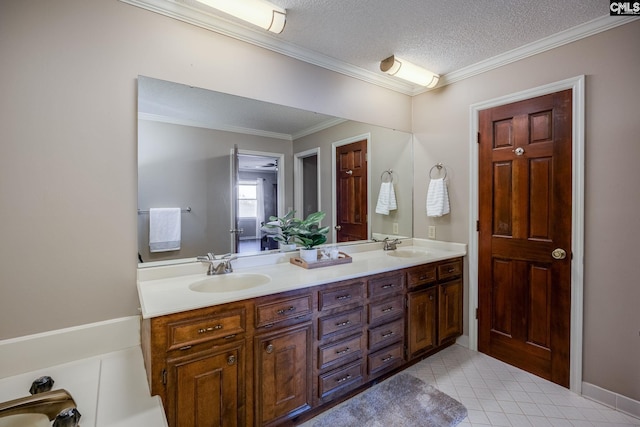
(269, 348)
(430, 297)
(231, 360)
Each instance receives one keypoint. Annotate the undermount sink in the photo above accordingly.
(25, 420)
(407, 253)
(230, 282)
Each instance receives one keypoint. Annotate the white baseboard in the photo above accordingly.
(32, 352)
(612, 399)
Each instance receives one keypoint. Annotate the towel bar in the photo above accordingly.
(188, 210)
(390, 173)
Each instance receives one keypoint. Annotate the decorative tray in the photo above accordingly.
(342, 259)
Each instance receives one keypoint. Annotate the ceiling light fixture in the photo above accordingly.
(257, 12)
(408, 71)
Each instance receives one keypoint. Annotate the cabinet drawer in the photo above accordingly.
(386, 334)
(344, 321)
(421, 275)
(283, 309)
(386, 285)
(335, 353)
(338, 297)
(186, 333)
(385, 359)
(387, 309)
(450, 269)
(338, 379)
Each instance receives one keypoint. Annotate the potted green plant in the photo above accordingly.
(309, 234)
(282, 230)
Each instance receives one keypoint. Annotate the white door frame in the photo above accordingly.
(298, 179)
(334, 202)
(577, 84)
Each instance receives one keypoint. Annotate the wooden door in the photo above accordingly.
(421, 322)
(524, 288)
(351, 192)
(283, 374)
(206, 389)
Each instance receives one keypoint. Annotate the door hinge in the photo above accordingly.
(476, 313)
(477, 225)
(164, 376)
(478, 138)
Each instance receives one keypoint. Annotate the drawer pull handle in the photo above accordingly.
(387, 335)
(286, 310)
(186, 347)
(346, 350)
(228, 337)
(231, 360)
(451, 270)
(345, 323)
(269, 348)
(343, 379)
(388, 285)
(210, 329)
(343, 297)
(388, 309)
(386, 359)
(423, 277)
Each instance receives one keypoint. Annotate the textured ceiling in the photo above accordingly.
(442, 36)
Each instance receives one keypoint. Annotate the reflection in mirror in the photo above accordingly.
(185, 141)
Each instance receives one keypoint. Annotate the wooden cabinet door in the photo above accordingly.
(449, 310)
(421, 324)
(206, 388)
(283, 368)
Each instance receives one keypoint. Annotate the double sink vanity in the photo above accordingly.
(274, 344)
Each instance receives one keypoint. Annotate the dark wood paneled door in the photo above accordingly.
(351, 192)
(524, 286)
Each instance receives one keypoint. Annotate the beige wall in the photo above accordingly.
(68, 184)
(611, 64)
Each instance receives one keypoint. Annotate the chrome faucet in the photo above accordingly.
(49, 403)
(390, 245)
(223, 267)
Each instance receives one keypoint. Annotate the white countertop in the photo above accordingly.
(165, 290)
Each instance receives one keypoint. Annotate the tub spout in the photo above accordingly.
(49, 403)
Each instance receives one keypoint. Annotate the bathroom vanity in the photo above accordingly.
(278, 352)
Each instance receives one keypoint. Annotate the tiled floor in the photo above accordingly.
(497, 394)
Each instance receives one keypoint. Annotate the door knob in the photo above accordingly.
(559, 253)
(338, 227)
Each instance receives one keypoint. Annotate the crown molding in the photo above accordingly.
(225, 128)
(587, 29)
(185, 13)
(236, 129)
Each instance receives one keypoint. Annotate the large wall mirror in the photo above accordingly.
(228, 163)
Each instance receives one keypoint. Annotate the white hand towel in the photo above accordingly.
(386, 199)
(437, 198)
(164, 229)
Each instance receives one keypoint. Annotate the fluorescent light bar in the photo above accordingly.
(408, 71)
(257, 12)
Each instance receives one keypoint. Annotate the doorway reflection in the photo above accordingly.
(257, 201)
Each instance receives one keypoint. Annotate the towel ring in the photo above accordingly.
(390, 173)
(438, 166)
